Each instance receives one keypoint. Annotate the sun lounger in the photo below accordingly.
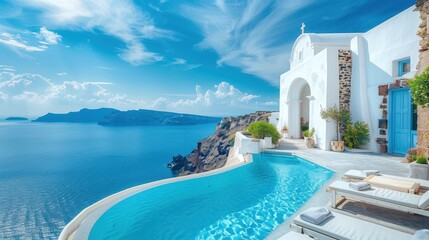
(417, 204)
(359, 175)
(295, 236)
(344, 227)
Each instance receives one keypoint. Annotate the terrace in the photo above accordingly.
(340, 162)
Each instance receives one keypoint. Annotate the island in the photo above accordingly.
(85, 115)
(154, 118)
(16, 119)
(114, 117)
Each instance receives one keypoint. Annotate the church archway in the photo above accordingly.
(298, 107)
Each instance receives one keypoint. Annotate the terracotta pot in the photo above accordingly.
(309, 142)
(337, 146)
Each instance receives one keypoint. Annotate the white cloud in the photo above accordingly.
(48, 37)
(15, 41)
(7, 68)
(246, 34)
(179, 61)
(136, 55)
(270, 103)
(223, 94)
(105, 68)
(21, 42)
(61, 73)
(39, 95)
(34, 88)
(183, 62)
(121, 19)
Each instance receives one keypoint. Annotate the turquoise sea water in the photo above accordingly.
(49, 172)
(244, 203)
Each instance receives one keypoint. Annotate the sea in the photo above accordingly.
(49, 172)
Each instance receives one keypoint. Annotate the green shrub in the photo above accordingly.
(231, 140)
(420, 88)
(309, 133)
(263, 129)
(304, 127)
(356, 134)
(421, 160)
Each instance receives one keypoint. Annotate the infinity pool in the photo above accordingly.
(245, 203)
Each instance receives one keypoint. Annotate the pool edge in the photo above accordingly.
(79, 227)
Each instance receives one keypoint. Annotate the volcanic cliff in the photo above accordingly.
(212, 152)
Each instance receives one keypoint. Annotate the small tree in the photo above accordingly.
(340, 116)
(263, 129)
(420, 88)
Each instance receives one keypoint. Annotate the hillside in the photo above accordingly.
(150, 117)
(214, 149)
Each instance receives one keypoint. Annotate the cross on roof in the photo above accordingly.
(302, 28)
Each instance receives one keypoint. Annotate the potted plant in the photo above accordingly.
(339, 116)
(304, 127)
(266, 131)
(308, 138)
(420, 168)
(284, 131)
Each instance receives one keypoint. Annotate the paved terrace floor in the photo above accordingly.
(341, 162)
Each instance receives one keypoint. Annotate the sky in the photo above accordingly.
(215, 58)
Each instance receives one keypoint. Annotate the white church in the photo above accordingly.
(364, 72)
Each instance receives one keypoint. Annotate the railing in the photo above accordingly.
(245, 145)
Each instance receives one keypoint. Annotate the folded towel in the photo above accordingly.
(316, 215)
(371, 172)
(360, 186)
(421, 235)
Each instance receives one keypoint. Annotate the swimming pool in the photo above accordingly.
(246, 202)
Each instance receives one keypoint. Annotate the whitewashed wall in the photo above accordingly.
(373, 57)
(316, 78)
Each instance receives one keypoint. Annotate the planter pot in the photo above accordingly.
(309, 142)
(267, 142)
(337, 146)
(420, 171)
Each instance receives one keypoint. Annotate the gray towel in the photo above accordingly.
(316, 215)
(421, 235)
(360, 186)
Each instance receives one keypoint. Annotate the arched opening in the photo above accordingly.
(298, 107)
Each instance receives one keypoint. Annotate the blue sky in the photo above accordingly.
(204, 57)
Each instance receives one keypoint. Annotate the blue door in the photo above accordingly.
(400, 117)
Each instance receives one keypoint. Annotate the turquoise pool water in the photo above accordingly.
(244, 203)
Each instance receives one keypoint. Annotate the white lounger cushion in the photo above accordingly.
(357, 174)
(295, 236)
(424, 201)
(395, 197)
(344, 227)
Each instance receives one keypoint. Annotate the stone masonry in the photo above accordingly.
(423, 113)
(345, 77)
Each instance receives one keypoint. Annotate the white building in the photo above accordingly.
(364, 72)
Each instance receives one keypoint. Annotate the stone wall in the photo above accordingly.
(345, 77)
(423, 113)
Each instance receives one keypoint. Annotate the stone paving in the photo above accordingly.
(341, 162)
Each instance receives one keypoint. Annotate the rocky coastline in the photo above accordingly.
(212, 152)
